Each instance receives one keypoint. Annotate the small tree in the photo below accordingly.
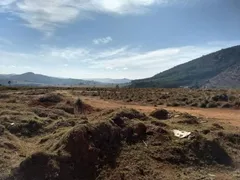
(117, 86)
(9, 83)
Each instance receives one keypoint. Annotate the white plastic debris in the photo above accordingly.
(12, 124)
(181, 134)
(211, 175)
(145, 143)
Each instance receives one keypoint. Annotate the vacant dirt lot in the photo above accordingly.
(92, 133)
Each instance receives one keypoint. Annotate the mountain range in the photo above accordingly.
(31, 79)
(111, 81)
(220, 69)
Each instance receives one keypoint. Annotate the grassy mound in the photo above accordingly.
(78, 155)
(80, 151)
(160, 114)
(50, 98)
(199, 151)
(26, 128)
(121, 116)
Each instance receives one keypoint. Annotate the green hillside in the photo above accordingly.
(196, 72)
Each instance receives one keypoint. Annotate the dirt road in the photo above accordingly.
(227, 116)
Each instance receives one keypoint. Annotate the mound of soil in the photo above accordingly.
(61, 123)
(40, 112)
(28, 128)
(230, 137)
(122, 117)
(209, 152)
(189, 121)
(158, 123)
(65, 107)
(4, 96)
(161, 114)
(199, 151)
(188, 116)
(80, 154)
(87, 150)
(47, 100)
(81, 108)
(50, 98)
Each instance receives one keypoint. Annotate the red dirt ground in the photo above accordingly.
(228, 116)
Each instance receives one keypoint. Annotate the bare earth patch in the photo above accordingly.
(75, 134)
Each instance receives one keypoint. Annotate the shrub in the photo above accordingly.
(212, 105)
(221, 97)
(79, 106)
(202, 105)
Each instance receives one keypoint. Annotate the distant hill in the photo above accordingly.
(111, 81)
(216, 70)
(42, 80)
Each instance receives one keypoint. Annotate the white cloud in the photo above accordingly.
(104, 40)
(116, 63)
(67, 53)
(46, 15)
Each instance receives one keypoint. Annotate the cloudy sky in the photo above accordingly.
(112, 38)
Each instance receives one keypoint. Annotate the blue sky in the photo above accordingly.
(112, 38)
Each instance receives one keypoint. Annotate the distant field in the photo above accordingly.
(171, 97)
(118, 133)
